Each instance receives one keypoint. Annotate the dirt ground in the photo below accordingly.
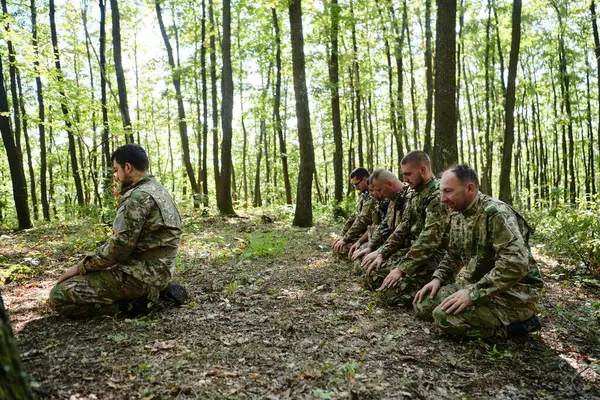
(275, 326)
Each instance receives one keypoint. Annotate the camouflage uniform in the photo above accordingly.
(487, 254)
(391, 220)
(13, 380)
(137, 261)
(358, 222)
(414, 247)
(378, 216)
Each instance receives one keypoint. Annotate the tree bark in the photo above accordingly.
(204, 110)
(32, 185)
(106, 149)
(303, 212)
(41, 115)
(277, 115)
(123, 105)
(338, 156)
(19, 185)
(445, 152)
(65, 109)
(180, 109)
(224, 202)
(509, 105)
(427, 147)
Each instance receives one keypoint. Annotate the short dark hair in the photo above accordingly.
(417, 157)
(465, 174)
(360, 173)
(133, 154)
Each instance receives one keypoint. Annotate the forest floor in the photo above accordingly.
(274, 314)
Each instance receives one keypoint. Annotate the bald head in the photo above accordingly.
(385, 183)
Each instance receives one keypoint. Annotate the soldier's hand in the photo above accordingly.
(339, 245)
(71, 272)
(353, 249)
(369, 258)
(392, 279)
(432, 287)
(362, 253)
(375, 264)
(457, 302)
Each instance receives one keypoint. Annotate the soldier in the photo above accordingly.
(128, 273)
(414, 244)
(387, 186)
(488, 284)
(378, 213)
(358, 222)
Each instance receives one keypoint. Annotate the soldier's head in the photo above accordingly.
(374, 193)
(459, 187)
(385, 183)
(358, 178)
(416, 168)
(130, 163)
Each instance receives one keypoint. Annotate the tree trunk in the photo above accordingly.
(32, 186)
(204, 110)
(471, 119)
(400, 76)
(445, 152)
(106, 149)
(427, 147)
(336, 120)
(41, 115)
(65, 109)
(597, 53)
(277, 116)
(180, 110)
(123, 105)
(486, 185)
(357, 89)
(509, 105)
(303, 213)
(224, 202)
(17, 174)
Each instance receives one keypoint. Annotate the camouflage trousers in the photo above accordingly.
(95, 293)
(407, 287)
(488, 318)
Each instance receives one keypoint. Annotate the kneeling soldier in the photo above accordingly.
(492, 283)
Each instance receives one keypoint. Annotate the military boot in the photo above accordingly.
(519, 329)
(173, 295)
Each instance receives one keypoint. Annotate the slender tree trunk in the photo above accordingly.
(591, 171)
(65, 109)
(103, 101)
(486, 185)
(204, 110)
(427, 147)
(303, 213)
(471, 119)
(224, 202)
(357, 89)
(402, 130)
(445, 152)
(215, 111)
(123, 105)
(509, 105)
(19, 185)
(180, 110)
(335, 103)
(41, 115)
(32, 187)
(257, 190)
(597, 53)
(413, 85)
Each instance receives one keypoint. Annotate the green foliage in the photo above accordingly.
(490, 351)
(572, 233)
(232, 288)
(263, 244)
(12, 272)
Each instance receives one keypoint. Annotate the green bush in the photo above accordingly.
(263, 244)
(571, 233)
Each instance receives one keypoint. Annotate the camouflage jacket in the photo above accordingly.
(394, 212)
(378, 214)
(147, 219)
(421, 230)
(357, 224)
(488, 253)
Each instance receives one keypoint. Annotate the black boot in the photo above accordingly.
(519, 329)
(173, 295)
(135, 308)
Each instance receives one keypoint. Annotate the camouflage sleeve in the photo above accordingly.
(397, 239)
(362, 221)
(128, 224)
(348, 223)
(512, 255)
(377, 238)
(429, 240)
(452, 262)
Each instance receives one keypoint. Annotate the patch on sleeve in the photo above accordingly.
(491, 209)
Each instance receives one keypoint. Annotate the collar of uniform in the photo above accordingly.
(428, 185)
(145, 178)
(474, 204)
